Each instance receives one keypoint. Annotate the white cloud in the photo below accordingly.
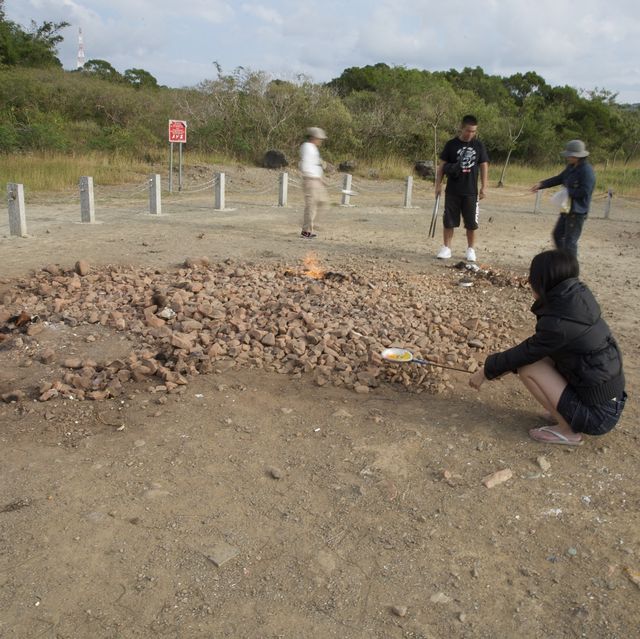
(266, 14)
(586, 45)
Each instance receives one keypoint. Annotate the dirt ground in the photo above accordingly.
(324, 508)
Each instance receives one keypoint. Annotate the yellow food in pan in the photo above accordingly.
(399, 357)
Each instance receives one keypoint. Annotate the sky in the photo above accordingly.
(588, 44)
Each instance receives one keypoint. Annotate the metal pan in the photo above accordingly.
(404, 356)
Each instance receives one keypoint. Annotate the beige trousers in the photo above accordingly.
(315, 199)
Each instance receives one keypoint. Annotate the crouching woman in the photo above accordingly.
(572, 364)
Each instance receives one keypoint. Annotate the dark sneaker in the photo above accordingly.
(305, 235)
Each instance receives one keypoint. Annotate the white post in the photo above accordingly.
(607, 204)
(283, 191)
(219, 206)
(17, 216)
(408, 192)
(346, 186)
(155, 195)
(87, 202)
(536, 206)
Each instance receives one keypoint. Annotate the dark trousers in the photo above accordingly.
(567, 232)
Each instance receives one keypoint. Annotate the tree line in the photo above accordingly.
(370, 112)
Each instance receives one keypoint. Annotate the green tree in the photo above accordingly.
(139, 78)
(101, 69)
(34, 48)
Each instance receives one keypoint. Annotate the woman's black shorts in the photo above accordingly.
(591, 420)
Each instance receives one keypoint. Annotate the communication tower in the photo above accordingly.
(80, 49)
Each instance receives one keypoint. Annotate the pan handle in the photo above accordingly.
(426, 362)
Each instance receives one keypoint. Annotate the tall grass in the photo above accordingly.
(50, 172)
(389, 168)
(58, 172)
(623, 180)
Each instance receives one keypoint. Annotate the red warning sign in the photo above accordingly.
(178, 131)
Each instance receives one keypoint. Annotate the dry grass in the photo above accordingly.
(623, 180)
(49, 172)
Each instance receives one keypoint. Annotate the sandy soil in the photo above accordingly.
(111, 512)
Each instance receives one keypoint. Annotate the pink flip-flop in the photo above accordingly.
(556, 437)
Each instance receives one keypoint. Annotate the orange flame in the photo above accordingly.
(312, 267)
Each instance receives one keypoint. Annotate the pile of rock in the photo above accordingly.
(272, 317)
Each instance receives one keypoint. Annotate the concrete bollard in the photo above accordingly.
(87, 202)
(346, 190)
(220, 195)
(155, 194)
(536, 206)
(283, 190)
(408, 192)
(17, 215)
(607, 204)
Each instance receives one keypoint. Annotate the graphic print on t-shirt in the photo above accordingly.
(467, 157)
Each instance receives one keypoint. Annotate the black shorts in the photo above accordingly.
(455, 205)
(591, 420)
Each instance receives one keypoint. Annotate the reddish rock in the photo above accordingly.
(82, 267)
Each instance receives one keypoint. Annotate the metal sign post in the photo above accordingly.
(177, 134)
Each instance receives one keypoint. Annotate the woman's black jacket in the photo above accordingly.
(570, 331)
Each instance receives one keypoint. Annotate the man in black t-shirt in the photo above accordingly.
(461, 160)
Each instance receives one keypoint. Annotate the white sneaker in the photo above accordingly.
(444, 253)
(470, 255)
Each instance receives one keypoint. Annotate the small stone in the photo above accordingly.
(52, 269)
(82, 267)
(440, 598)
(462, 618)
(268, 340)
(47, 356)
(221, 553)
(499, 477)
(632, 575)
(13, 396)
(286, 411)
(34, 329)
(360, 389)
(544, 463)
(399, 611)
(388, 489)
(476, 343)
(276, 473)
(72, 362)
(572, 552)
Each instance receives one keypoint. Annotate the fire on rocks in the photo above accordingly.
(305, 320)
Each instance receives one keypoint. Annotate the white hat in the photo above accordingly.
(316, 132)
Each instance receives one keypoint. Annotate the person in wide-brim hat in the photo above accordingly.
(575, 149)
(578, 180)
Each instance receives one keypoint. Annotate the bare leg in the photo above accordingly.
(471, 237)
(546, 384)
(447, 236)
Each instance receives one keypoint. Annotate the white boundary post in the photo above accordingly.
(87, 202)
(536, 206)
(283, 191)
(220, 183)
(17, 215)
(346, 186)
(607, 204)
(155, 194)
(408, 192)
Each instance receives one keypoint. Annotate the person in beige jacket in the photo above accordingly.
(313, 186)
